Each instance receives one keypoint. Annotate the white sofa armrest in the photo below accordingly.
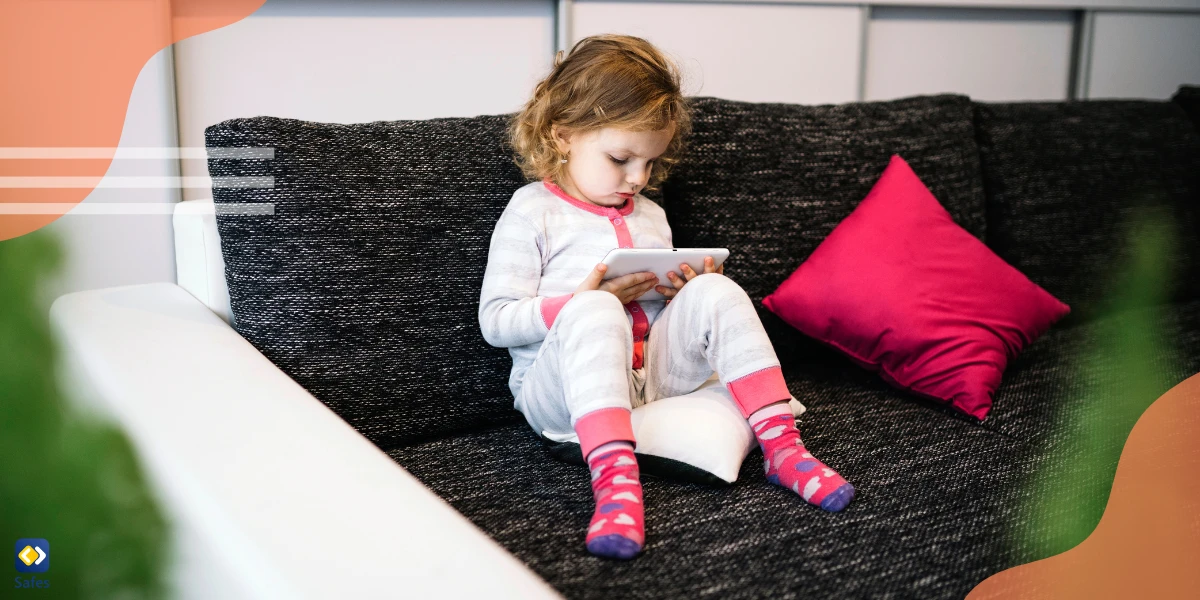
(199, 265)
(271, 494)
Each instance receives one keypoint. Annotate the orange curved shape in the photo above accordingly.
(68, 68)
(1147, 544)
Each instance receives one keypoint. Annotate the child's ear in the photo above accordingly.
(562, 137)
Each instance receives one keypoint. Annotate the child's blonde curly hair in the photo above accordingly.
(616, 81)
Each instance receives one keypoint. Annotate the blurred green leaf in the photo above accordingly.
(65, 477)
(1118, 375)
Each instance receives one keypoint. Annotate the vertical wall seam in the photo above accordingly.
(863, 47)
(562, 25)
(1081, 55)
(172, 86)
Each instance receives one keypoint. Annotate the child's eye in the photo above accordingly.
(619, 161)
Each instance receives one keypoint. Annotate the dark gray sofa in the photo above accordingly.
(364, 286)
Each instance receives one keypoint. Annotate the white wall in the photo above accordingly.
(360, 60)
(751, 52)
(123, 236)
(990, 55)
(1143, 55)
(843, 50)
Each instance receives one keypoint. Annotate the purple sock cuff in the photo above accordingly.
(603, 426)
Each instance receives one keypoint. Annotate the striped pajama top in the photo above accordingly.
(544, 244)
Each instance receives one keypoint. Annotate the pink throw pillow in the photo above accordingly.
(903, 290)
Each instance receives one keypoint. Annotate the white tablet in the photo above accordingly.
(623, 261)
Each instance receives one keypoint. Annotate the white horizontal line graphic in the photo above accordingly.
(121, 153)
(128, 208)
(129, 182)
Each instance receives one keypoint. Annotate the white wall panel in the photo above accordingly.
(750, 52)
(1143, 55)
(362, 60)
(990, 55)
(1139, 5)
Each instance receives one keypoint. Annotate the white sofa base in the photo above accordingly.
(271, 494)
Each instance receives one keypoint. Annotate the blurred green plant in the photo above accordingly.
(1126, 363)
(64, 476)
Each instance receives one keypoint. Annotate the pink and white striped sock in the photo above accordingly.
(789, 464)
(617, 529)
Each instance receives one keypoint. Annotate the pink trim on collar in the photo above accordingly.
(625, 209)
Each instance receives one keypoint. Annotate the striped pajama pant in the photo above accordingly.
(582, 381)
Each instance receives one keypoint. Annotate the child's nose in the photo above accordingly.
(640, 178)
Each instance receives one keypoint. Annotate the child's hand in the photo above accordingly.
(626, 287)
(690, 274)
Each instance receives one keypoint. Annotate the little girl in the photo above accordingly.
(608, 122)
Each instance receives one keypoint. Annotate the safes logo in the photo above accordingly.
(33, 555)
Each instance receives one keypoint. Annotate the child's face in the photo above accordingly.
(609, 165)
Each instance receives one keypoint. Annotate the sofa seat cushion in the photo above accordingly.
(770, 181)
(1065, 181)
(362, 282)
(940, 505)
(700, 537)
(1068, 368)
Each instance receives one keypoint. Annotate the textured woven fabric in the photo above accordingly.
(363, 285)
(1188, 97)
(938, 498)
(770, 181)
(1065, 179)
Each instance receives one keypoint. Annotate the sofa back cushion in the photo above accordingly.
(1188, 98)
(770, 181)
(1065, 180)
(363, 284)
